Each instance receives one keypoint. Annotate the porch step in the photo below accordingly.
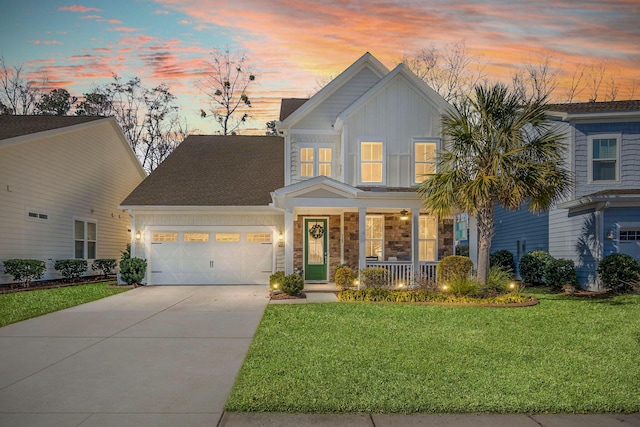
(319, 287)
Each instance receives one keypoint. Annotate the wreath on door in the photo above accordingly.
(317, 231)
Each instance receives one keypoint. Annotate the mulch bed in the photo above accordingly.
(6, 288)
(277, 296)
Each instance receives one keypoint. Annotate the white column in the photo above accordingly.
(415, 241)
(362, 238)
(288, 241)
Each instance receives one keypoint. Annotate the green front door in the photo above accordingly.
(315, 245)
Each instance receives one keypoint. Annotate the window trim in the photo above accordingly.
(383, 182)
(414, 162)
(316, 159)
(590, 159)
(85, 239)
(381, 239)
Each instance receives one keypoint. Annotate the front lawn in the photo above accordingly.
(563, 355)
(18, 306)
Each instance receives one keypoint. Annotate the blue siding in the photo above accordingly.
(612, 218)
(586, 244)
(530, 231)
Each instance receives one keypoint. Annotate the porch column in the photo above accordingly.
(362, 238)
(415, 242)
(288, 241)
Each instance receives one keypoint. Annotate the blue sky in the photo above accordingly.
(294, 43)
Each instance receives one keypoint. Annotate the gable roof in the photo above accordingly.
(13, 126)
(211, 170)
(289, 105)
(365, 61)
(431, 95)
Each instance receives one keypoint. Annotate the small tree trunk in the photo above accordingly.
(485, 234)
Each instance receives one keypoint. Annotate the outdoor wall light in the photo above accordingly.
(138, 235)
(281, 236)
(611, 234)
(404, 214)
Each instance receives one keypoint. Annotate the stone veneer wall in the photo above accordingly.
(445, 238)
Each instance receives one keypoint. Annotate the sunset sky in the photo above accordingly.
(292, 44)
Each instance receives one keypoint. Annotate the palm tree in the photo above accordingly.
(498, 151)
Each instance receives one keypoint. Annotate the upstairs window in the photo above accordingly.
(604, 150)
(425, 160)
(315, 161)
(371, 162)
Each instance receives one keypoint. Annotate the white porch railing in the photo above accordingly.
(401, 272)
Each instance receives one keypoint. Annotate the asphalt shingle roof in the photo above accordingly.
(209, 170)
(289, 105)
(596, 107)
(13, 126)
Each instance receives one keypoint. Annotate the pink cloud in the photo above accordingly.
(78, 8)
(47, 42)
(91, 17)
(126, 29)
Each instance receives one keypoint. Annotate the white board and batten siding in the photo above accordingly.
(81, 172)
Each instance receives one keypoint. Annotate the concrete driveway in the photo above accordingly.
(153, 356)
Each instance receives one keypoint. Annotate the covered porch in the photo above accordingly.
(328, 223)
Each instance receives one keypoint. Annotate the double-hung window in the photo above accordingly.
(85, 237)
(375, 236)
(424, 155)
(371, 163)
(315, 161)
(604, 157)
(428, 234)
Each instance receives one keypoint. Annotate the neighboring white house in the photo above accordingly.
(61, 182)
(338, 186)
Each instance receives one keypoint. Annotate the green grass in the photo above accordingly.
(19, 306)
(564, 355)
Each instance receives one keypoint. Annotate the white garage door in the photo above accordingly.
(207, 257)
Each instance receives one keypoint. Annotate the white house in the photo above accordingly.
(338, 186)
(61, 182)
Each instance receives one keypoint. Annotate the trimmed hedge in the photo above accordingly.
(453, 266)
(71, 269)
(619, 272)
(344, 277)
(388, 295)
(105, 265)
(503, 259)
(276, 280)
(374, 277)
(292, 284)
(532, 267)
(24, 270)
(132, 270)
(560, 273)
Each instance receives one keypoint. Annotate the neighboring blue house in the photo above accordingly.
(601, 215)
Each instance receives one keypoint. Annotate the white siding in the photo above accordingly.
(85, 174)
(310, 139)
(395, 116)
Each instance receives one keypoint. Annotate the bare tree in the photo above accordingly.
(595, 75)
(632, 88)
(225, 85)
(17, 94)
(450, 73)
(321, 81)
(613, 89)
(536, 80)
(576, 86)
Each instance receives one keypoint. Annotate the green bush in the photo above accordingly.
(413, 296)
(498, 281)
(292, 284)
(276, 280)
(463, 286)
(344, 277)
(71, 269)
(532, 266)
(453, 266)
(560, 273)
(105, 265)
(462, 250)
(132, 270)
(126, 254)
(374, 277)
(503, 259)
(24, 270)
(619, 272)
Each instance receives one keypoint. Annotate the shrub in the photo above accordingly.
(374, 277)
(462, 250)
(618, 272)
(463, 286)
(344, 277)
(132, 270)
(276, 280)
(105, 265)
(561, 273)
(71, 269)
(292, 284)
(126, 254)
(453, 266)
(24, 270)
(498, 280)
(425, 282)
(503, 259)
(532, 266)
